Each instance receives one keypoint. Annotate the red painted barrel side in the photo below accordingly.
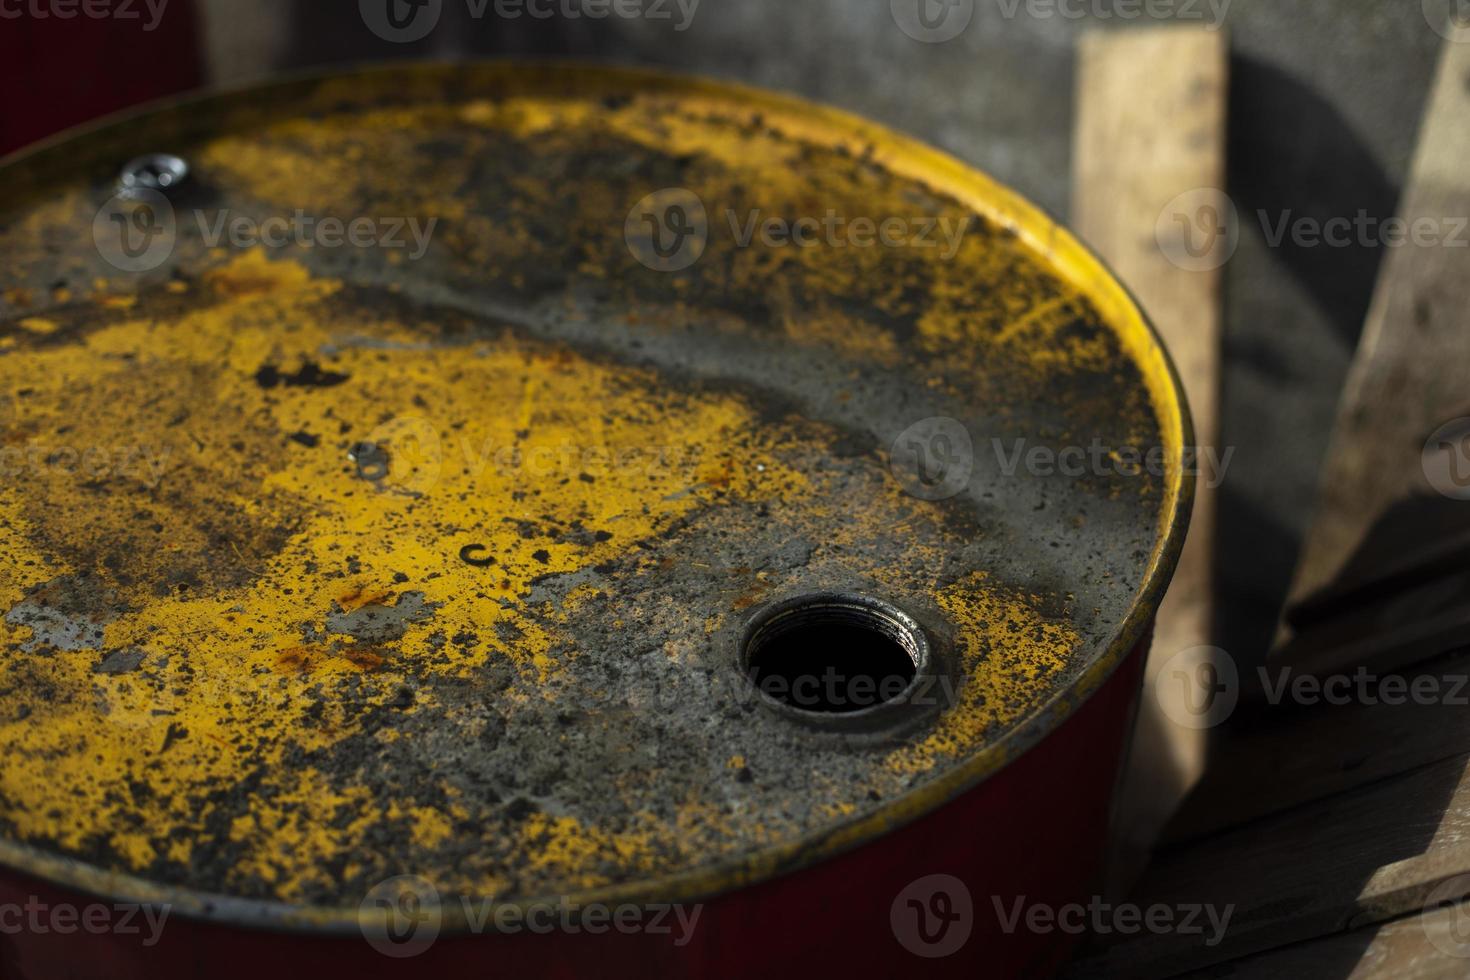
(62, 65)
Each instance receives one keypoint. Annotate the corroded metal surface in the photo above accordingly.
(438, 565)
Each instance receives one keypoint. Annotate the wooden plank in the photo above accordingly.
(1362, 857)
(1431, 946)
(1391, 631)
(244, 41)
(1150, 128)
(1307, 754)
(1412, 370)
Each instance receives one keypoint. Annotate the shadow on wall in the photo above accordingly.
(1301, 159)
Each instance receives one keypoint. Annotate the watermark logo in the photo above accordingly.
(932, 21)
(403, 454)
(401, 21)
(668, 230)
(1446, 459)
(933, 916)
(135, 231)
(133, 689)
(1198, 688)
(400, 917)
(1199, 230)
(1451, 935)
(1450, 19)
(933, 459)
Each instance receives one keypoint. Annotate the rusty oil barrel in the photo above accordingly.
(440, 599)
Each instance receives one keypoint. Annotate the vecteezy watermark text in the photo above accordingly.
(37, 917)
(120, 10)
(1211, 13)
(401, 917)
(145, 464)
(1096, 459)
(1200, 687)
(933, 917)
(138, 231)
(1124, 918)
(408, 454)
(670, 229)
(834, 230)
(935, 459)
(937, 21)
(307, 231)
(1200, 230)
(1364, 230)
(1363, 687)
(406, 21)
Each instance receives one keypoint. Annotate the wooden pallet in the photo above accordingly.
(1339, 834)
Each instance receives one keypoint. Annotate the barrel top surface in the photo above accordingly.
(322, 564)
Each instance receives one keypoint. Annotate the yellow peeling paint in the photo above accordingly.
(38, 325)
(1008, 654)
(238, 706)
(569, 848)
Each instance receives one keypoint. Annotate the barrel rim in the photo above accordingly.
(1055, 247)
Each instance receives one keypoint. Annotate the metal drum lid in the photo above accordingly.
(404, 474)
